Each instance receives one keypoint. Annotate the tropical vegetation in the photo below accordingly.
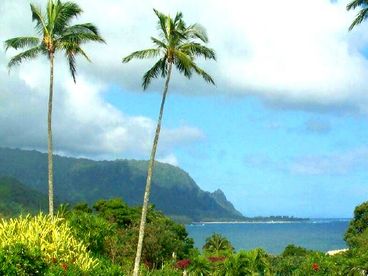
(108, 237)
(55, 34)
(101, 240)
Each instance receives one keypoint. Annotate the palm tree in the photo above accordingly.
(218, 245)
(177, 45)
(55, 34)
(362, 14)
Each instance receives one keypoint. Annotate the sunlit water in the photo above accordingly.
(318, 234)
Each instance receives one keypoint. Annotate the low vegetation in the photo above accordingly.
(101, 240)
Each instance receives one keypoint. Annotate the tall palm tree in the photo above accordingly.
(177, 45)
(362, 14)
(55, 34)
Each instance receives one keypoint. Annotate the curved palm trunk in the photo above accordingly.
(49, 139)
(149, 178)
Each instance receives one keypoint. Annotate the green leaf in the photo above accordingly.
(29, 54)
(21, 42)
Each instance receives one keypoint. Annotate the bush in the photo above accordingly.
(358, 225)
(94, 231)
(17, 259)
(293, 250)
(52, 236)
(254, 262)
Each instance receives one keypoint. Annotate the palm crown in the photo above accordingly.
(56, 34)
(217, 244)
(178, 44)
(362, 14)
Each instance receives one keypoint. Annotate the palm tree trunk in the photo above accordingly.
(49, 139)
(149, 177)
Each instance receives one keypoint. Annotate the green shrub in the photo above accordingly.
(51, 235)
(254, 262)
(17, 259)
(93, 230)
(293, 250)
(358, 225)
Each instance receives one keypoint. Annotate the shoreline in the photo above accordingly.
(308, 220)
(243, 222)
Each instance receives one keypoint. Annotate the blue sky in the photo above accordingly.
(283, 132)
(251, 150)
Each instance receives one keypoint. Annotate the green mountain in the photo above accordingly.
(16, 198)
(173, 191)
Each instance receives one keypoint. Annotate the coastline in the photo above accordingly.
(244, 222)
(303, 220)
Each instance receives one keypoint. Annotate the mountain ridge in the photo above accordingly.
(80, 179)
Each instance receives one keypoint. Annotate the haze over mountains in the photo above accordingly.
(82, 180)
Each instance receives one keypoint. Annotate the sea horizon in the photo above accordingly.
(320, 234)
(303, 220)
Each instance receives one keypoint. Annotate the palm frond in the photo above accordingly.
(183, 63)
(178, 17)
(29, 54)
(160, 67)
(72, 64)
(196, 31)
(159, 43)
(65, 12)
(82, 28)
(148, 53)
(196, 49)
(39, 18)
(356, 3)
(203, 74)
(361, 16)
(21, 42)
(78, 38)
(71, 51)
(162, 22)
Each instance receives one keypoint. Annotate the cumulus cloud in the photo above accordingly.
(292, 53)
(84, 124)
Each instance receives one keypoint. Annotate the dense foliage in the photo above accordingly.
(110, 230)
(52, 236)
(85, 180)
(358, 226)
(105, 236)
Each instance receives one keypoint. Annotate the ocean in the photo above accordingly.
(317, 234)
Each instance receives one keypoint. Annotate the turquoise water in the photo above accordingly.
(319, 234)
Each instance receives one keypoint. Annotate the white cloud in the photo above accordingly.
(169, 159)
(84, 124)
(339, 163)
(334, 163)
(291, 53)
